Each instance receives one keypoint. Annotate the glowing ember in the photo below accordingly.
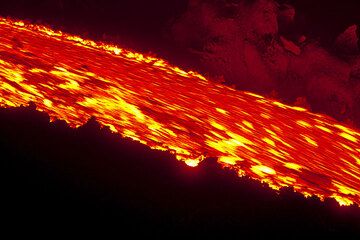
(146, 99)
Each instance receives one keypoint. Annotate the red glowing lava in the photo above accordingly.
(146, 99)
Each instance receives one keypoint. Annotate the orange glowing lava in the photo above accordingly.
(146, 99)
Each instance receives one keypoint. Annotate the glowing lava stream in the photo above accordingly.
(146, 99)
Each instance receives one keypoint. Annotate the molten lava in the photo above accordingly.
(146, 99)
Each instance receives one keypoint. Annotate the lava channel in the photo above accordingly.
(164, 107)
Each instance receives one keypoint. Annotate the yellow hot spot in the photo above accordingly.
(112, 127)
(343, 201)
(129, 108)
(255, 161)
(217, 125)
(113, 104)
(356, 176)
(309, 140)
(264, 115)
(149, 59)
(32, 89)
(348, 137)
(155, 126)
(282, 141)
(244, 129)
(287, 179)
(286, 144)
(65, 74)
(221, 110)
(47, 30)
(196, 119)
(37, 70)
(8, 87)
(192, 162)
(300, 109)
(178, 127)
(179, 150)
(253, 94)
(241, 173)
(284, 106)
(346, 190)
(269, 141)
(239, 138)
(306, 194)
(224, 146)
(346, 147)
(5, 102)
(248, 124)
(91, 74)
(9, 46)
(197, 75)
(131, 134)
(303, 123)
(180, 72)
(159, 63)
(276, 153)
(28, 97)
(47, 102)
(343, 128)
(229, 159)
(250, 149)
(270, 132)
(117, 51)
(245, 113)
(293, 166)
(261, 170)
(170, 132)
(357, 159)
(284, 153)
(12, 75)
(270, 183)
(276, 128)
(155, 139)
(323, 128)
(70, 84)
(279, 104)
(19, 23)
(137, 56)
(216, 134)
(2, 62)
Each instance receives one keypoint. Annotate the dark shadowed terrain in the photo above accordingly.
(61, 178)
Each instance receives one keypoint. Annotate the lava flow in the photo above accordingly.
(148, 100)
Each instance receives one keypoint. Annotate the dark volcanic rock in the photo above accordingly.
(347, 42)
